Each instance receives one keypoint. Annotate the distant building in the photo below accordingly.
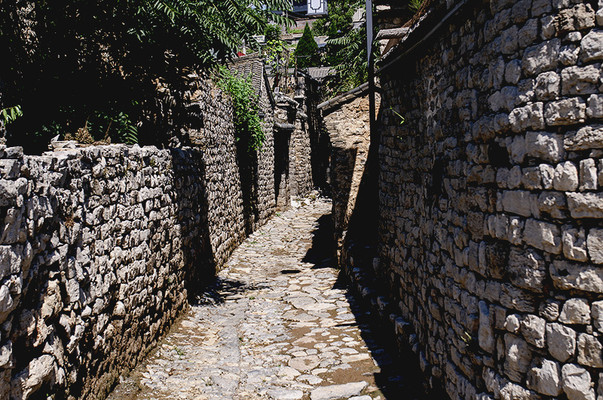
(309, 8)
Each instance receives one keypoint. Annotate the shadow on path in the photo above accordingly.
(219, 290)
(400, 377)
(322, 252)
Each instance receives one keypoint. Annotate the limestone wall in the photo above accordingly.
(490, 201)
(101, 246)
(347, 125)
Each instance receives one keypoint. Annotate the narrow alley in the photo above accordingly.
(277, 324)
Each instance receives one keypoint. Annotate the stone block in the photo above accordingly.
(595, 106)
(513, 72)
(590, 351)
(553, 204)
(549, 28)
(595, 245)
(561, 341)
(568, 54)
(586, 138)
(588, 175)
(584, 277)
(597, 315)
(512, 323)
(575, 312)
(527, 117)
(574, 243)
(508, 42)
(547, 173)
(533, 330)
(565, 112)
(545, 146)
(547, 86)
(528, 33)
(485, 332)
(517, 202)
(517, 357)
(592, 46)
(526, 269)
(585, 205)
(580, 80)
(577, 383)
(550, 310)
(530, 178)
(542, 235)
(545, 378)
(541, 57)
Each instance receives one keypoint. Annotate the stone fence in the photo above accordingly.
(490, 254)
(101, 247)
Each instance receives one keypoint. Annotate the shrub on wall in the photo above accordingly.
(245, 102)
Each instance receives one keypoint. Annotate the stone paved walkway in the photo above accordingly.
(278, 325)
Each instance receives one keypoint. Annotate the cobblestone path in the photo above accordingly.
(278, 325)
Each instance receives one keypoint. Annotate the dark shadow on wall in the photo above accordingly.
(342, 173)
(282, 140)
(248, 175)
(192, 215)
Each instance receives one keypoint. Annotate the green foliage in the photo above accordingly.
(115, 125)
(10, 114)
(415, 5)
(306, 51)
(245, 101)
(70, 58)
(272, 32)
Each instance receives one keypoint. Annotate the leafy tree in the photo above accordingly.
(71, 60)
(306, 51)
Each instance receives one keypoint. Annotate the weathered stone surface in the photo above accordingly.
(585, 205)
(590, 351)
(580, 80)
(541, 57)
(38, 371)
(486, 337)
(585, 277)
(566, 177)
(588, 175)
(547, 86)
(595, 106)
(576, 382)
(595, 245)
(545, 378)
(597, 314)
(526, 269)
(544, 146)
(531, 116)
(591, 46)
(575, 311)
(588, 137)
(542, 235)
(517, 357)
(533, 330)
(565, 112)
(574, 244)
(337, 391)
(561, 341)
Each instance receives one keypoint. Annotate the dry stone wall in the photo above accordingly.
(101, 246)
(490, 200)
(347, 124)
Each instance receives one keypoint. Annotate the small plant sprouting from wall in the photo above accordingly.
(245, 101)
(10, 114)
